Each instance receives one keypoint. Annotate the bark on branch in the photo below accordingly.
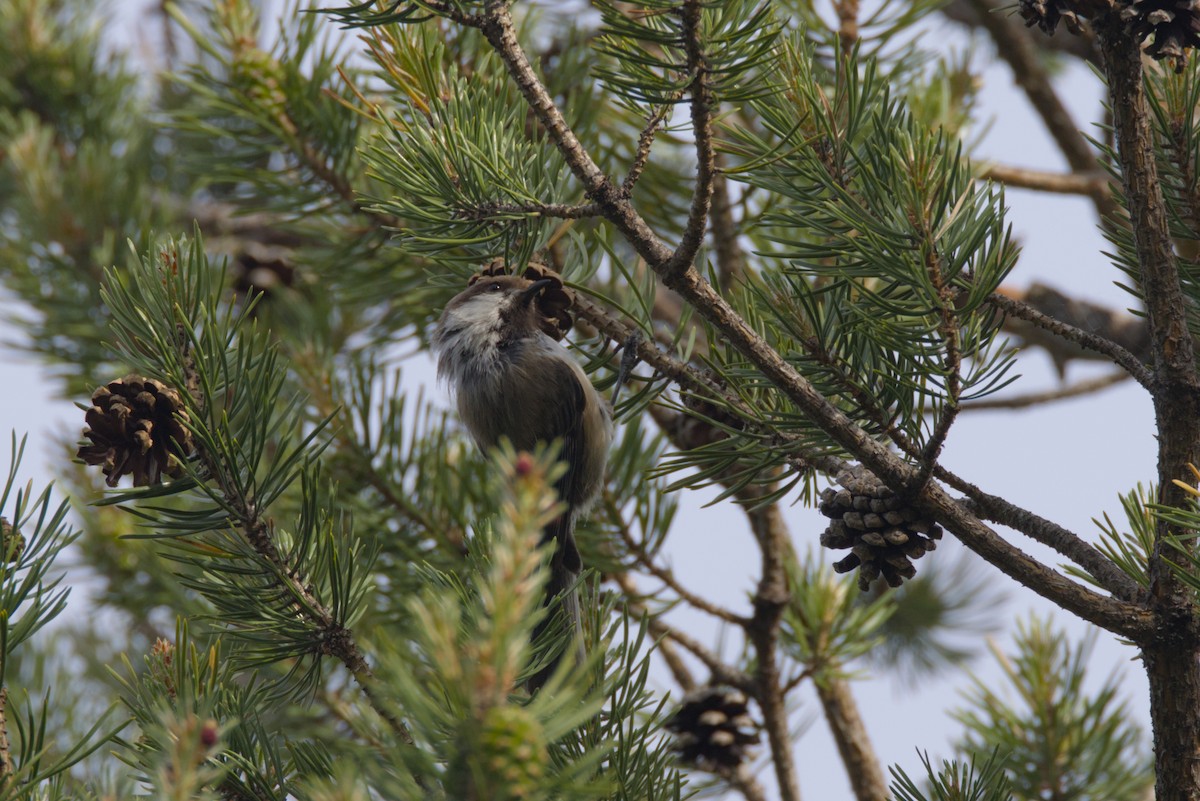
(1172, 654)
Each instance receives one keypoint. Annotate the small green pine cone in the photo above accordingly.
(503, 758)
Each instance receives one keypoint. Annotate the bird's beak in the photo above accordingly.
(534, 289)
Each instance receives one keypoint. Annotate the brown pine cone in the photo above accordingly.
(713, 728)
(884, 534)
(1175, 25)
(262, 269)
(1046, 14)
(136, 427)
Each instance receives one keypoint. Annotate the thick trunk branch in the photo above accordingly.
(853, 744)
(1172, 655)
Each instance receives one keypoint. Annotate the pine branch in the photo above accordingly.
(1107, 613)
(853, 743)
(1070, 183)
(1071, 333)
(1170, 649)
(770, 600)
(701, 112)
(336, 640)
(1028, 523)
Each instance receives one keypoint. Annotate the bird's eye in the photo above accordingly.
(494, 286)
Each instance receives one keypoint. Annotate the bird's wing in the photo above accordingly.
(565, 424)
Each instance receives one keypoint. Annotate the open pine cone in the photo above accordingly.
(553, 303)
(713, 728)
(135, 425)
(883, 532)
(1046, 14)
(1175, 25)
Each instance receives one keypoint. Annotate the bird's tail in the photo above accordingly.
(562, 619)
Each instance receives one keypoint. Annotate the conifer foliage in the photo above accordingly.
(766, 239)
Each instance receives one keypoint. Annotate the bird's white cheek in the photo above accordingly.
(481, 312)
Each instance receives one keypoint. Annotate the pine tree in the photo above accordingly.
(303, 580)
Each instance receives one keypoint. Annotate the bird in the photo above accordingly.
(513, 381)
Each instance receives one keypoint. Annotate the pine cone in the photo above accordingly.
(1046, 14)
(10, 550)
(136, 427)
(262, 269)
(883, 533)
(1175, 25)
(500, 758)
(553, 303)
(713, 728)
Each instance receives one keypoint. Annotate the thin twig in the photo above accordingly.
(352, 719)
(998, 510)
(663, 574)
(665, 648)
(1068, 183)
(564, 211)
(1049, 396)
(1119, 355)
(702, 111)
(770, 599)
(722, 672)
(641, 155)
(744, 781)
(170, 46)
(6, 760)
(948, 328)
(453, 14)
(847, 14)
